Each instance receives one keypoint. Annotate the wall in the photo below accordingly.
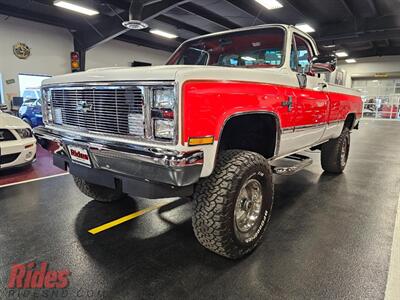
(120, 54)
(50, 52)
(371, 65)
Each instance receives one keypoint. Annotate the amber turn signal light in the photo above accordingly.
(205, 140)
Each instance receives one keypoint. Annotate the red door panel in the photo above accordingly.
(208, 104)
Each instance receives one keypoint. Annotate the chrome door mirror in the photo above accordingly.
(323, 63)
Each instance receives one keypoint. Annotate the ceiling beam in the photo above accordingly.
(95, 34)
(26, 14)
(145, 43)
(380, 51)
(181, 25)
(153, 10)
(252, 10)
(359, 37)
(208, 15)
(373, 7)
(109, 28)
(302, 10)
(353, 28)
(347, 7)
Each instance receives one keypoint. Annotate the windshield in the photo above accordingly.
(255, 48)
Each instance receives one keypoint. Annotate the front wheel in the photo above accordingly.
(233, 205)
(334, 154)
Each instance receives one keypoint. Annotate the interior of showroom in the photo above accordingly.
(173, 149)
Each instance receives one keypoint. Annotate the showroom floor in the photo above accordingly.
(330, 237)
(43, 167)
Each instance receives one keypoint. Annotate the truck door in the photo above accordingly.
(312, 102)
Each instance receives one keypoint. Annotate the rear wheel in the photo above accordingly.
(334, 154)
(98, 192)
(233, 205)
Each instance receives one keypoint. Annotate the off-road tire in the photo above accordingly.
(98, 192)
(331, 153)
(215, 199)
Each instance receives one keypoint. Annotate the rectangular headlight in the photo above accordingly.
(46, 106)
(164, 98)
(164, 129)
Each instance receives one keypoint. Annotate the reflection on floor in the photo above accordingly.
(41, 168)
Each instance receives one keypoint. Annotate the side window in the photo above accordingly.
(301, 54)
(29, 94)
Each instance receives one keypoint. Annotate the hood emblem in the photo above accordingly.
(84, 106)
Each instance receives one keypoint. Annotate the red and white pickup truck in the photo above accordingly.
(210, 124)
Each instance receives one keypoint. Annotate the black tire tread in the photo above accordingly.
(330, 153)
(98, 192)
(212, 218)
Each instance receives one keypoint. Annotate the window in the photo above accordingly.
(301, 54)
(29, 94)
(397, 87)
(256, 48)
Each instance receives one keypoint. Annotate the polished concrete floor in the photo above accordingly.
(329, 237)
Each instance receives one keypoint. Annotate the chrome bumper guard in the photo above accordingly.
(149, 164)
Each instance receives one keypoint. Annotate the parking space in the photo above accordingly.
(330, 237)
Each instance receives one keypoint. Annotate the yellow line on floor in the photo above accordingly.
(125, 219)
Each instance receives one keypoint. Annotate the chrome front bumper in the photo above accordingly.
(149, 164)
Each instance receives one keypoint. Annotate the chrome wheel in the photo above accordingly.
(248, 206)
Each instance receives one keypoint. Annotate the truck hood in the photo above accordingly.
(178, 73)
(154, 73)
(10, 122)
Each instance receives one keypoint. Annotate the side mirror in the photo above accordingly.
(323, 63)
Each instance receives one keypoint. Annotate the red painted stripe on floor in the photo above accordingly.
(43, 167)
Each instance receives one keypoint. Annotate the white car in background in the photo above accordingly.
(17, 143)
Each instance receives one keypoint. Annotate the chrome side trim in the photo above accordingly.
(305, 127)
(288, 130)
(300, 128)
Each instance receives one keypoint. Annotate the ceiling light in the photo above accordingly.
(351, 61)
(341, 54)
(329, 46)
(76, 8)
(248, 58)
(135, 24)
(163, 34)
(305, 27)
(270, 4)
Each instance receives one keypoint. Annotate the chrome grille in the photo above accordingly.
(100, 109)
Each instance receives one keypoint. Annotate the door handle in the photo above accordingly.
(288, 103)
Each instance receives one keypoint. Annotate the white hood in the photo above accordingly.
(156, 73)
(10, 122)
(179, 73)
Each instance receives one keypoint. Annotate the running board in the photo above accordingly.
(296, 163)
